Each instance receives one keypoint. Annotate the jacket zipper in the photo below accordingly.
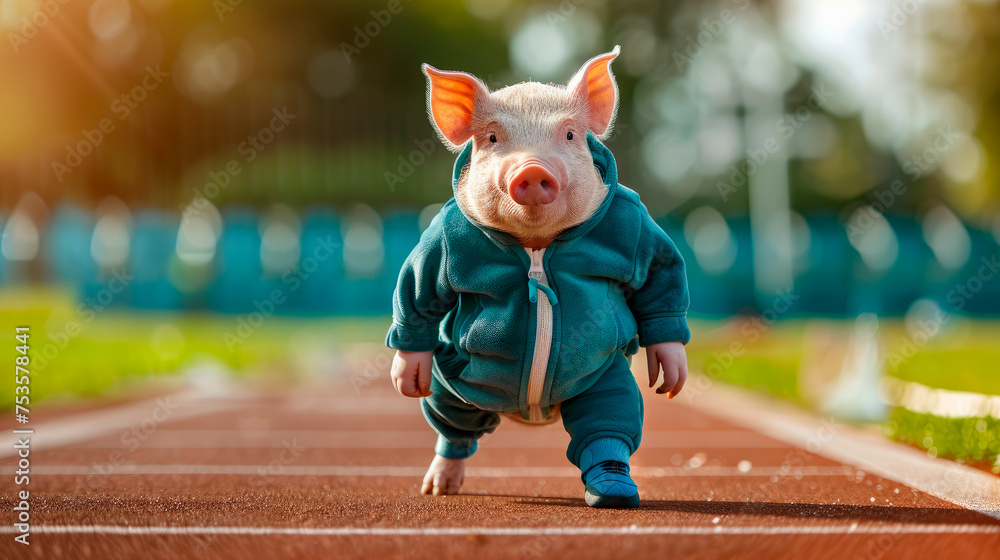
(539, 292)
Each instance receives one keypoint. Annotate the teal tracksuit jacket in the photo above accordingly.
(515, 331)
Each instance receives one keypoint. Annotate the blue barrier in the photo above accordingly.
(401, 232)
(906, 280)
(152, 251)
(239, 273)
(67, 254)
(831, 278)
(317, 286)
(975, 288)
(823, 277)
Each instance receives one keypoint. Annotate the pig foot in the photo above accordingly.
(444, 476)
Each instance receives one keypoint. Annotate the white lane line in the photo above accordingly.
(418, 471)
(865, 450)
(146, 416)
(839, 529)
(424, 439)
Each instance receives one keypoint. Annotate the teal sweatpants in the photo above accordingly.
(612, 407)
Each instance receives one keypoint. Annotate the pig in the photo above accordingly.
(533, 287)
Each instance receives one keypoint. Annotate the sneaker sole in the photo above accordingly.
(596, 500)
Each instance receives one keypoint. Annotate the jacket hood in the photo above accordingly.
(604, 161)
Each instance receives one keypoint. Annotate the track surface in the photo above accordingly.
(328, 471)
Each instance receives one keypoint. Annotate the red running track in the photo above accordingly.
(325, 471)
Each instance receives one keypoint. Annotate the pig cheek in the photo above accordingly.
(483, 176)
(577, 198)
(476, 193)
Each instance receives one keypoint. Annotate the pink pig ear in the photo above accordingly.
(451, 101)
(595, 85)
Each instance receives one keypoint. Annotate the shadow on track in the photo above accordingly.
(887, 514)
(893, 514)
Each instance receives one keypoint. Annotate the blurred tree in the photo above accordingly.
(347, 74)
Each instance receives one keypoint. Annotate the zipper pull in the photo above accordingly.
(534, 286)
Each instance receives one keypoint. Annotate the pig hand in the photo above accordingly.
(673, 358)
(411, 373)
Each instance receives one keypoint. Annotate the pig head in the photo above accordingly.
(531, 173)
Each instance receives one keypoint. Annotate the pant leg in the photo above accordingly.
(612, 407)
(459, 425)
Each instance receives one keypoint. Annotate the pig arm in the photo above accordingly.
(423, 294)
(659, 300)
(658, 292)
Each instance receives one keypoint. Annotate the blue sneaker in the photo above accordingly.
(609, 486)
(605, 474)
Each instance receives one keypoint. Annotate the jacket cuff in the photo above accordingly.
(455, 449)
(664, 329)
(410, 339)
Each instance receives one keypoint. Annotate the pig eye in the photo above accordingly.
(569, 135)
(493, 138)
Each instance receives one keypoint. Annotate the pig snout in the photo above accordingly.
(534, 182)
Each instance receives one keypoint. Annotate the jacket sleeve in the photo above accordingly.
(658, 293)
(423, 294)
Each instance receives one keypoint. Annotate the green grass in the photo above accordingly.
(963, 358)
(975, 440)
(969, 368)
(769, 364)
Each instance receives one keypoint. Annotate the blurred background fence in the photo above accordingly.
(322, 261)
